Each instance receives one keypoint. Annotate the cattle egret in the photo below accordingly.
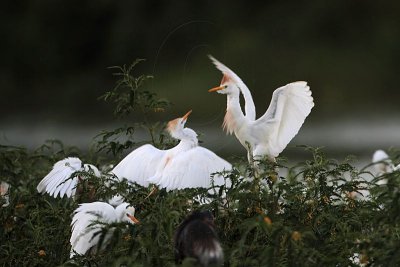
(382, 163)
(188, 165)
(184, 166)
(84, 226)
(59, 180)
(196, 237)
(141, 163)
(270, 134)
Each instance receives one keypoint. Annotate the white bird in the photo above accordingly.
(382, 163)
(85, 231)
(269, 134)
(141, 164)
(59, 180)
(184, 166)
(188, 165)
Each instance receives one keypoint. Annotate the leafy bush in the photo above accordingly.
(311, 216)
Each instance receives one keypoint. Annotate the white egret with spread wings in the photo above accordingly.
(270, 134)
(186, 165)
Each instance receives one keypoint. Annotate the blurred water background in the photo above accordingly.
(56, 54)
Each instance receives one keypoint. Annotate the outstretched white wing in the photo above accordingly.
(192, 169)
(289, 107)
(82, 232)
(249, 106)
(139, 165)
(58, 182)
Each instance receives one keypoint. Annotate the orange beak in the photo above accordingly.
(186, 115)
(136, 221)
(216, 89)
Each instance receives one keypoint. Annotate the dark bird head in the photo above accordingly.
(196, 238)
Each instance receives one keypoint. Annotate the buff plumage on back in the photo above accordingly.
(229, 123)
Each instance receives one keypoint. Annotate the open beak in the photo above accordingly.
(136, 221)
(184, 118)
(216, 89)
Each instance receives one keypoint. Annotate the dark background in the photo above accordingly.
(56, 54)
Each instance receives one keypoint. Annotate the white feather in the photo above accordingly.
(184, 166)
(193, 169)
(382, 163)
(270, 134)
(84, 227)
(58, 181)
(139, 165)
(379, 155)
(290, 105)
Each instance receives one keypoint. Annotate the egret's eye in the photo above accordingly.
(226, 86)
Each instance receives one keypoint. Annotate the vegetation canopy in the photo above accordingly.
(310, 214)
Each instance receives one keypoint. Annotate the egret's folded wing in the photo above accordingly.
(139, 165)
(192, 169)
(57, 180)
(289, 107)
(249, 106)
(83, 227)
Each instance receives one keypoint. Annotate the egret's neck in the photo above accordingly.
(120, 212)
(187, 143)
(187, 140)
(234, 115)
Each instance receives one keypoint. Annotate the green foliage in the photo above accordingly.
(309, 214)
(128, 96)
(305, 218)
